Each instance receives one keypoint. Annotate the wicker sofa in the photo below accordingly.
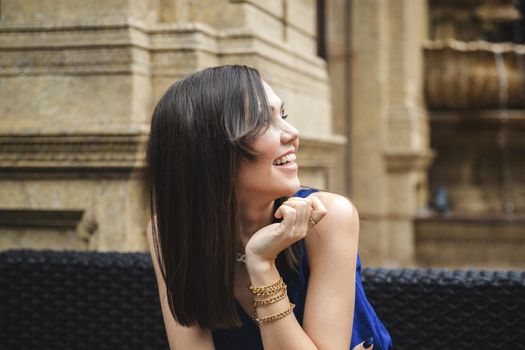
(80, 300)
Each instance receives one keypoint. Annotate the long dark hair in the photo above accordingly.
(201, 129)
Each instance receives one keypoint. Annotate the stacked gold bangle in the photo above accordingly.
(275, 317)
(276, 291)
(268, 290)
(271, 300)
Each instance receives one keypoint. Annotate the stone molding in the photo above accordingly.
(64, 151)
(408, 161)
(40, 218)
(487, 119)
(282, 14)
(315, 151)
(125, 44)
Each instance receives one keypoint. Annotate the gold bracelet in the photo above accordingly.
(275, 317)
(272, 300)
(268, 290)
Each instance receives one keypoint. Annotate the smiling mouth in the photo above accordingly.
(284, 160)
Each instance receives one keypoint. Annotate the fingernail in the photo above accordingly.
(368, 343)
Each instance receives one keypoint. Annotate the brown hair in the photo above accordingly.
(201, 128)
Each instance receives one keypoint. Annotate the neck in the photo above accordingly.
(254, 214)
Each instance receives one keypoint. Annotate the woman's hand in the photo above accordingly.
(268, 242)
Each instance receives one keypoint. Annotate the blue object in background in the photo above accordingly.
(440, 201)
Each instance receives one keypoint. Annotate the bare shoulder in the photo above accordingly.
(340, 210)
(339, 229)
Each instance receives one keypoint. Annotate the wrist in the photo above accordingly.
(257, 266)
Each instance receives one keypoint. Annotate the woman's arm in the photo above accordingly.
(332, 254)
(179, 337)
(329, 308)
(283, 334)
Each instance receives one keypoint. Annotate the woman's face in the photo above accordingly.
(274, 173)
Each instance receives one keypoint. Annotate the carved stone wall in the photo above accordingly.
(79, 80)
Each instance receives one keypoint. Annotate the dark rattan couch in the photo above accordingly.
(72, 300)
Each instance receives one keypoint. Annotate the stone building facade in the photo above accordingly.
(79, 80)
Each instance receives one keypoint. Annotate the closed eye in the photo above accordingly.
(284, 115)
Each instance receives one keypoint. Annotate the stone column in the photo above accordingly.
(369, 100)
(389, 127)
(338, 22)
(407, 149)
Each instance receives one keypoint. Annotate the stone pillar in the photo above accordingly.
(389, 127)
(79, 80)
(369, 100)
(407, 146)
(337, 31)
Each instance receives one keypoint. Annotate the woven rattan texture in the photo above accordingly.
(79, 300)
(457, 309)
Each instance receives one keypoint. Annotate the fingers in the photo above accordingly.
(319, 210)
(299, 215)
(295, 225)
(309, 211)
(295, 202)
(288, 214)
(303, 207)
(314, 213)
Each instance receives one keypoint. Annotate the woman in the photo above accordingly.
(245, 258)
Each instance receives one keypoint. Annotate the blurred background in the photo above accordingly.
(414, 109)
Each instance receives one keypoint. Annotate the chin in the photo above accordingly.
(291, 189)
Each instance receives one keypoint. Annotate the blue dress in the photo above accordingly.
(366, 323)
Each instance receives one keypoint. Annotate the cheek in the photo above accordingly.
(255, 170)
(267, 145)
(252, 174)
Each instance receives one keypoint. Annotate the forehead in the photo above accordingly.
(273, 99)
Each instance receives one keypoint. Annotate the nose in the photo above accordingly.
(289, 134)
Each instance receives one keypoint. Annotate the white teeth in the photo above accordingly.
(285, 159)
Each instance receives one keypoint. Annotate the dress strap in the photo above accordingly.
(305, 192)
